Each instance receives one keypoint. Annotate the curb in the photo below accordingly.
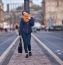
(47, 49)
(8, 51)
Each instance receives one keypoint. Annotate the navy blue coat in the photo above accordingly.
(26, 27)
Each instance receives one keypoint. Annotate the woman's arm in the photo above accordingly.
(20, 27)
(32, 21)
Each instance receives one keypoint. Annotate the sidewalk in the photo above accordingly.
(38, 57)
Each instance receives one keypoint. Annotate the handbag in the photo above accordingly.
(20, 46)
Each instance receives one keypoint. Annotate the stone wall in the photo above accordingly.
(53, 9)
(1, 12)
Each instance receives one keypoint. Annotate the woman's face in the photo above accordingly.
(26, 16)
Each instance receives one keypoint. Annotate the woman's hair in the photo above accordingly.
(22, 12)
(25, 11)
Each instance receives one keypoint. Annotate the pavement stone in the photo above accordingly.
(38, 57)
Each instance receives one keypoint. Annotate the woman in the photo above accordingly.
(25, 30)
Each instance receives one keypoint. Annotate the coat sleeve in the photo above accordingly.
(32, 21)
(20, 27)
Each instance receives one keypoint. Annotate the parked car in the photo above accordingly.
(58, 28)
(51, 28)
(37, 26)
(55, 28)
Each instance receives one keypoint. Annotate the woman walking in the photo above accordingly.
(25, 30)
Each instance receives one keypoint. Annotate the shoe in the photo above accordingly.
(30, 54)
(26, 56)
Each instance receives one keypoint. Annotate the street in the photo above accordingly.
(6, 40)
(53, 40)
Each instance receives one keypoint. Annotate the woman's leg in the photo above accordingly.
(24, 36)
(29, 42)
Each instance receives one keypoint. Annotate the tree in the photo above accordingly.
(35, 7)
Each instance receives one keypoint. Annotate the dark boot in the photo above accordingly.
(30, 54)
(26, 56)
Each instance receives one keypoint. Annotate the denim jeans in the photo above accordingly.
(27, 42)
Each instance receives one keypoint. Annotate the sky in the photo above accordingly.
(12, 1)
(20, 1)
(37, 2)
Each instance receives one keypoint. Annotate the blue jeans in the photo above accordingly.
(27, 42)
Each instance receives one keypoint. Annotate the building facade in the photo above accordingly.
(1, 13)
(53, 9)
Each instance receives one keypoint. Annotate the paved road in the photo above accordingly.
(53, 40)
(5, 40)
